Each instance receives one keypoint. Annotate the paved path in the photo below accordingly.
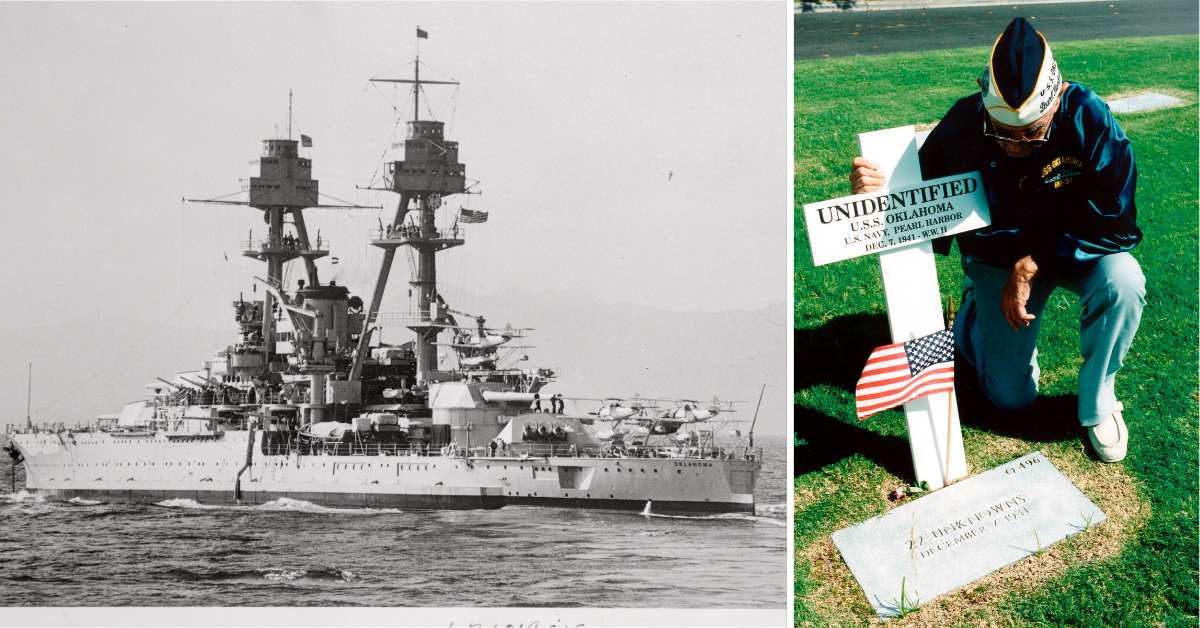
(841, 34)
(824, 6)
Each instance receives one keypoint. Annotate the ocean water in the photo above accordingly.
(294, 553)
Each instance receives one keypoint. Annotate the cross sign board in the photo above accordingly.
(899, 224)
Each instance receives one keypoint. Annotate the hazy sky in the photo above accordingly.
(634, 151)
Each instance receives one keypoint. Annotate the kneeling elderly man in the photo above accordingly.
(1059, 176)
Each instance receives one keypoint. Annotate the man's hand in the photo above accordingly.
(865, 176)
(1016, 293)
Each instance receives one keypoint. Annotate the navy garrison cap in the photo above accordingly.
(1021, 79)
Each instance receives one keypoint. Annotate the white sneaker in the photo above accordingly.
(1110, 439)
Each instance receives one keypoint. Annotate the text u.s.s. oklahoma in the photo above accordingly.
(894, 200)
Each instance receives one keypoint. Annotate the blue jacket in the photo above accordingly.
(1068, 203)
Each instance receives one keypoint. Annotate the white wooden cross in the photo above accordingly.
(899, 224)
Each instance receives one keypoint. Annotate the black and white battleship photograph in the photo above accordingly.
(446, 312)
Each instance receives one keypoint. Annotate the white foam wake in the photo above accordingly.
(84, 502)
(185, 503)
(287, 575)
(727, 516)
(779, 509)
(741, 516)
(23, 496)
(287, 504)
(769, 521)
(284, 575)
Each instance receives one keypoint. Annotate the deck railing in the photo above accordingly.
(409, 232)
(260, 245)
(514, 451)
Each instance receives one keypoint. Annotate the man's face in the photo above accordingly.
(1033, 131)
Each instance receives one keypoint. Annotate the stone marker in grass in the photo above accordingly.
(899, 224)
(1144, 102)
(964, 532)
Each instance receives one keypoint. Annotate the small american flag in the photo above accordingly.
(306, 141)
(898, 373)
(470, 216)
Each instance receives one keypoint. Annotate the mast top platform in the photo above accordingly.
(282, 148)
(281, 177)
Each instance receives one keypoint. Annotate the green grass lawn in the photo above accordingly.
(1142, 569)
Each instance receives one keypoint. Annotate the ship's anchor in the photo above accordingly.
(17, 459)
(237, 484)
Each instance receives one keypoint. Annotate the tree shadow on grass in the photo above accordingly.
(834, 354)
(829, 440)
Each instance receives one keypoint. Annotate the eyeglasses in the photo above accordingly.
(1014, 140)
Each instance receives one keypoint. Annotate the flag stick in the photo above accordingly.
(949, 427)
(950, 312)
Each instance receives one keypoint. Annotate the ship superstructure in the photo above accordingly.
(309, 404)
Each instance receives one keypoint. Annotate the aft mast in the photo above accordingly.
(429, 171)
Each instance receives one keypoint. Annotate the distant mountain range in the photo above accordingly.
(94, 365)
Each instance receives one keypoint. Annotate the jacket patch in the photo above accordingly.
(1060, 172)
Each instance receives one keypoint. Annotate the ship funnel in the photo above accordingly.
(332, 302)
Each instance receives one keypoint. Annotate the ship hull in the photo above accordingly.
(401, 501)
(154, 468)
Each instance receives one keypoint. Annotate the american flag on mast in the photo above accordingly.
(898, 373)
(470, 216)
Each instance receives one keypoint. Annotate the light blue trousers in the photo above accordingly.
(1112, 292)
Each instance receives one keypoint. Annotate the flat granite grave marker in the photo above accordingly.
(964, 532)
(1142, 103)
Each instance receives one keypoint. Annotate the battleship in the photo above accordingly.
(309, 403)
